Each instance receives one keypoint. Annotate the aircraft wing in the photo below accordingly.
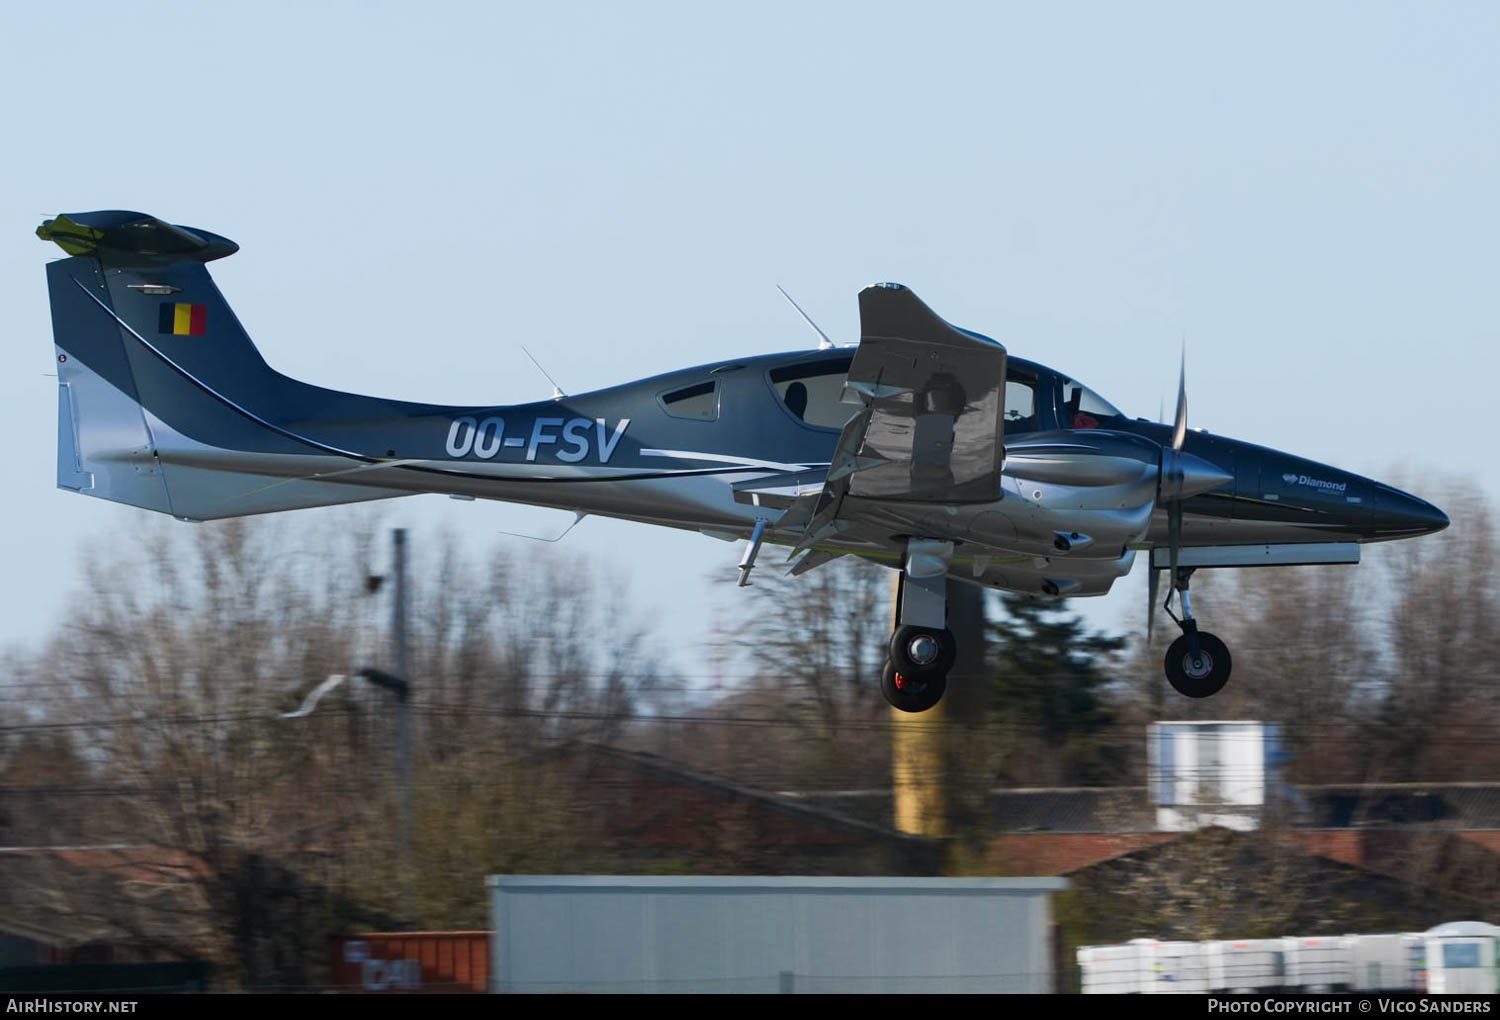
(933, 427)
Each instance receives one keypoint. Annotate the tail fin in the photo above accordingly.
(163, 401)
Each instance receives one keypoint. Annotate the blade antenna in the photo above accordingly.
(557, 392)
(578, 515)
(824, 343)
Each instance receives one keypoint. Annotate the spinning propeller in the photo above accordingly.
(1180, 475)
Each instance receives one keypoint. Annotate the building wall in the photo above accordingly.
(742, 935)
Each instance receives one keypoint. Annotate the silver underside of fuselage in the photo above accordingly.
(1010, 543)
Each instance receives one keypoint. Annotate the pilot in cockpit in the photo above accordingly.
(1084, 409)
(796, 399)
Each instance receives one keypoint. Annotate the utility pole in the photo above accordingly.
(403, 733)
(397, 684)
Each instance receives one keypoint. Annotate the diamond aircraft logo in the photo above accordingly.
(1314, 483)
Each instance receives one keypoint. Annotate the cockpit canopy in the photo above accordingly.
(1082, 408)
(1036, 397)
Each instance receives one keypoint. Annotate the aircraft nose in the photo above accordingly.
(1399, 514)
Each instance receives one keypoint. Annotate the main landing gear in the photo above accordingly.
(922, 649)
(914, 678)
(1197, 663)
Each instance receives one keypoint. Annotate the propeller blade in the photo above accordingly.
(1179, 422)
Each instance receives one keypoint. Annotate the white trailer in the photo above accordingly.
(1461, 958)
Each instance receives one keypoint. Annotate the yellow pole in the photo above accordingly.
(920, 756)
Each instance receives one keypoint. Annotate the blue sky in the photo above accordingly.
(1307, 192)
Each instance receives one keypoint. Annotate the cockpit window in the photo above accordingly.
(1020, 405)
(1082, 408)
(699, 401)
(810, 391)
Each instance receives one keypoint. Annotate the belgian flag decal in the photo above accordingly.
(181, 319)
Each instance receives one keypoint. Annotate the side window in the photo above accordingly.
(1020, 405)
(1459, 955)
(811, 391)
(699, 401)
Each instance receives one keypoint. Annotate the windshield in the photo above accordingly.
(1082, 408)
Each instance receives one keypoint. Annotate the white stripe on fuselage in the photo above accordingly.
(720, 458)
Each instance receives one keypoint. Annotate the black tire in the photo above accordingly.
(947, 651)
(911, 693)
(1201, 679)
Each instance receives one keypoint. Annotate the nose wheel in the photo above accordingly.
(1198, 675)
(1197, 663)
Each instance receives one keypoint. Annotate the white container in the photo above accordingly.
(1247, 965)
(1387, 963)
(1319, 963)
(1145, 967)
(1175, 968)
(741, 934)
(1212, 773)
(1112, 970)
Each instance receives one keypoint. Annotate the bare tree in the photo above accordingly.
(187, 644)
(819, 640)
(1441, 629)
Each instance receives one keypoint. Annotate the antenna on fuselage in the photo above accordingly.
(557, 393)
(824, 343)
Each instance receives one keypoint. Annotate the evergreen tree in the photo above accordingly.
(1049, 675)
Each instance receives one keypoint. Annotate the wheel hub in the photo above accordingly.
(922, 650)
(1198, 668)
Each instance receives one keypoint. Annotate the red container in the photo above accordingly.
(410, 961)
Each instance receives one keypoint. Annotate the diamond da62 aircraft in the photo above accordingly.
(924, 448)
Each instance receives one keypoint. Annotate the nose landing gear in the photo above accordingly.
(1197, 663)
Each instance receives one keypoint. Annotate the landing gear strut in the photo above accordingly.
(1197, 663)
(922, 648)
